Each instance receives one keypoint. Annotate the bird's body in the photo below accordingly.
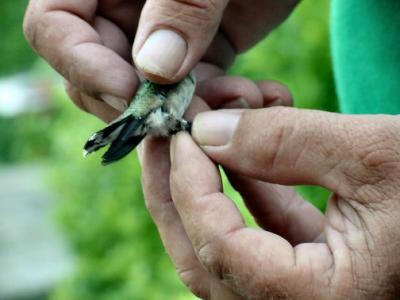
(156, 110)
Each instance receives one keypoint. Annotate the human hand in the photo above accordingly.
(89, 42)
(155, 160)
(350, 253)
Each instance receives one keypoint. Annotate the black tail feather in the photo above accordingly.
(129, 129)
(123, 136)
(119, 150)
(104, 137)
(126, 141)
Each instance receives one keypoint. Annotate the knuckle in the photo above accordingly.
(214, 254)
(374, 165)
(30, 29)
(276, 90)
(379, 164)
(75, 95)
(385, 130)
(162, 212)
(189, 15)
(254, 147)
(40, 31)
(209, 256)
(194, 281)
(377, 148)
(287, 96)
(201, 5)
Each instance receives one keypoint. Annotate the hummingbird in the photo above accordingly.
(155, 110)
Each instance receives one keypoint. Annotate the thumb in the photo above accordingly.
(293, 146)
(173, 35)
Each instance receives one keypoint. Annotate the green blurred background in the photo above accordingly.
(100, 209)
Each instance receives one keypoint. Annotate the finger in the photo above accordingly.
(173, 35)
(239, 92)
(197, 105)
(204, 71)
(275, 208)
(279, 209)
(275, 93)
(285, 146)
(93, 106)
(230, 92)
(112, 37)
(60, 31)
(293, 146)
(217, 231)
(154, 158)
(155, 181)
(123, 13)
(256, 28)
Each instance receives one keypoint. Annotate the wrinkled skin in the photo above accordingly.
(89, 42)
(350, 252)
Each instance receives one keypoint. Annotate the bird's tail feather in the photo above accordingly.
(122, 135)
(119, 150)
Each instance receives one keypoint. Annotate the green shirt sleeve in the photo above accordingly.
(366, 55)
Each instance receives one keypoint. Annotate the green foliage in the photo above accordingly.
(298, 55)
(15, 54)
(27, 137)
(24, 138)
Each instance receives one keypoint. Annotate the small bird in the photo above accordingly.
(156, 110)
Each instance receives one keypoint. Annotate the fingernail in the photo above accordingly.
(277, 102)
(215, 128)
(172, 149)
(139, 150)
(178, 148)
(239, 102)
(119, 104)
(162, 54)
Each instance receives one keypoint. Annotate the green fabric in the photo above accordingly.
(366, 55)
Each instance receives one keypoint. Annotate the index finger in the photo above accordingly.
(61, 32)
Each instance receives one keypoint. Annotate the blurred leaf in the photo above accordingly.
(15, 53)
(24, 138)
(298, 55)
